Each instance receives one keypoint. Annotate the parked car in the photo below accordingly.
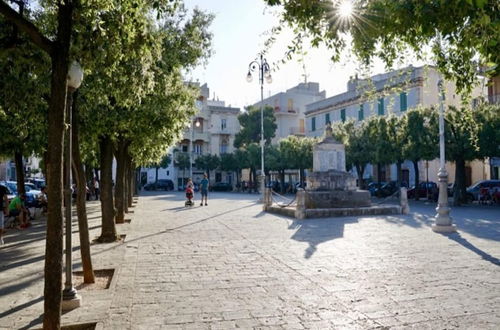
(31, 194)
(373, 186)
(38, 183)
(387, 189)
(425, 189)
(162, 184)
(10, 194)
(474, 190)
(220, 186)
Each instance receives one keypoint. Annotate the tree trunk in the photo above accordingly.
(459, 193)
(137, 181)
(108, 228)
(399, 174)
(379, 172)
(156, 177)
(282, 181)
(417, 177)
(302, 179)
(131, 181)
(81, 186)
(126, 184)
(120, 180)
(361, 171)
(18, 158)
(57, 106)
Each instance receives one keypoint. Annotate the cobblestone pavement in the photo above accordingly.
(229, 265)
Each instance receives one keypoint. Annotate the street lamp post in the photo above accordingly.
(444, 223)
(264, 72)
(71, 299)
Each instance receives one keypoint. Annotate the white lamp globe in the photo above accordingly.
(75, 75)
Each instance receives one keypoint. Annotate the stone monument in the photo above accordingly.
(329, 185)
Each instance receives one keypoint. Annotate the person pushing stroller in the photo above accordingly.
(189, 193)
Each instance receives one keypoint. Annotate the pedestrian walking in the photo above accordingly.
(204, 189)
(96, 189)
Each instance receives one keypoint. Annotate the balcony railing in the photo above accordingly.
(297, 131)
(494, 98)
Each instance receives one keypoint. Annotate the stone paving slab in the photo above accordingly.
(230, 265)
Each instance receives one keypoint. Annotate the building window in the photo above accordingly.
(403, 101)
(184, 148)
(361, 113)
(327, 119)
(223, 149)
(168, 173)
(342, 115)
(381, 106)
(223, 124)
(290, 105)
(197, 149)
(313, 124)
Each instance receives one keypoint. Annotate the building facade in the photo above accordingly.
(212, 131)
(290, 107)
(395, 93)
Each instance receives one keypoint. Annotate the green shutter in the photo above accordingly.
(403, 101)
(327, 118)
(313, 124)
(342, 115)
(361, 113)
(381, 106)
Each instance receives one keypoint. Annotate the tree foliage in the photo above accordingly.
(388, 28)
(251, 126)
(207, 163)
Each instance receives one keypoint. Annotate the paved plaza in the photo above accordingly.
(230, 265)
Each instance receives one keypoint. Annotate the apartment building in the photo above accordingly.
(290, 107)
(395, 93)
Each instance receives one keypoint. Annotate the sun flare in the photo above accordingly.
(345, 9)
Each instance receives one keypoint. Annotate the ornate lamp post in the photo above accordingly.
(444, 223)
(71, 299)
(264, 72)
(197, 124)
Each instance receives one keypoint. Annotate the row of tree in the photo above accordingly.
(470, 133)
(133, 102)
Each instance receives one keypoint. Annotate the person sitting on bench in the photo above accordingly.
(18, 209)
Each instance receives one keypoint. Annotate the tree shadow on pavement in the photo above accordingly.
(317, 231)
(21, 307)
(168, 230)
(468, 245)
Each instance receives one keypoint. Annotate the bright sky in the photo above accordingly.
(238, 28)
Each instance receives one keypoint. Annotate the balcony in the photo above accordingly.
(494, 98)
(203, 136)
(297, 131)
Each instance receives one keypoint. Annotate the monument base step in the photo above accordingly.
(338, 212)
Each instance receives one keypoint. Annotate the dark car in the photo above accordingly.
(373, 186)
(473, 191)
(39, 183)
(387, 189)
(220, 186)
(32, 195)
(162, 184)
(10, 194)
(424, 190)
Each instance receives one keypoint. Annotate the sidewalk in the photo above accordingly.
(229, 265)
